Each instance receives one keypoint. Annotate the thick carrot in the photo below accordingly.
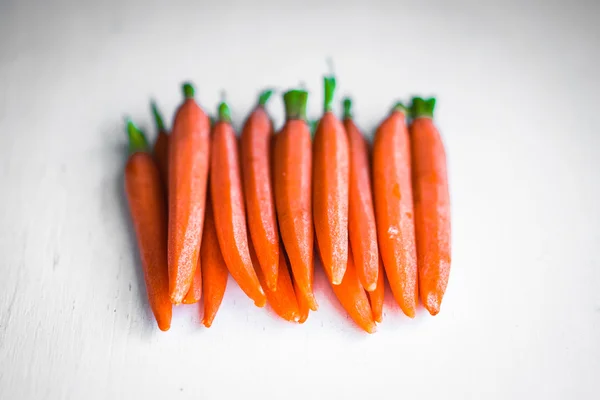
(214, 269)
(282, 299)
(228, 201)
(188, 173)
(330, 189)
(293, 169)
(161, 146)
(362, 229)
(146, 199)
(258, 192)
(432, 205)
(376, 296)
(194, 294)
(394, 208)
(354, 299)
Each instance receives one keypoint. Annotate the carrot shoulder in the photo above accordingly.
(146, 199)
(161, 146)
(362, 229)
(228, 201)
(258, 192)
(330, 189)
(188, 173)
(293, 169)
(394, 208)
(432, 205)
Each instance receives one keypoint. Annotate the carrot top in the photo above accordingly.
(264, 97)
(422, 107)
(347, 103)
(399, 106)
(160, 125)
(137, 139)
(329, 83)
(295, 104)
(188, 90)
(224, 113)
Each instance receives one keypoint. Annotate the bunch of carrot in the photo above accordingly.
(205, 205)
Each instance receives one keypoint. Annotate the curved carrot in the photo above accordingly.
(394, 208)
(188, 173)
(146, 199)
(214, 269)
(194, 293)
(282, 299)
(432, 205)
(293, 167)
(161, 146)
(362, 229)
(230, 216)
(376, 296)
(354, 299)
(330, 189)
(260, 204)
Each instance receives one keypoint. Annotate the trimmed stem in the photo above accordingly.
(347, 103)
(329, 83)
(400, 107)
(188, 90)
(264, 97)
(295, 104)
(160, 125)
(224, 113)
(137, 139)
(422, 107)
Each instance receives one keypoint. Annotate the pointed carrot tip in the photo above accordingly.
(296, 318)
(164, 325)
(371, 287)
(207, 322)
(371, 329)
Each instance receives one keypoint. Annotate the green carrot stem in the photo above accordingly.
(422, 107)
(188, 90)
(329, 83)
(347, 108)
(295, 104)
(264, 97)
(224, 112)
(137, 139)
(400, 107)
(160, 125)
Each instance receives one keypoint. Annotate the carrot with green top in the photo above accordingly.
(146, 198)
(330, 189)
(394, 208)
(258, 191)
(161, 145)
(432, 205)
(362, 228)
(292, 180)
(228, 207)
(376, 296)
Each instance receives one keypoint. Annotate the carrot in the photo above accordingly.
(282, 299)
(260, 204)
(330, 189)
(432, 205)
(230, 216)
(194, 293)
(146, 199)
(361, 216)
(303, 306)
(293, 166)
(161, 146)
(353, 298)
(376, 296)
(394, 208)
(214, 269)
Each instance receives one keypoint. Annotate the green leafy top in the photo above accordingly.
(295, 104)
(137, 139)
(329, 83)
(422, 107)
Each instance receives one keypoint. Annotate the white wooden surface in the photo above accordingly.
(518, 89)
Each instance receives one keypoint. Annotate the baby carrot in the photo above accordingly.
(282, 299)
(161, 146)
(188, 173)
(260, 204)
(330, 189)
(362, 229)
(194, 293)
(394, 208)
(303, 307)
(293, 167)
(230, 216)
(354, 299)
(432, 205)
(376, 296)
(146, 199)
(214, 269)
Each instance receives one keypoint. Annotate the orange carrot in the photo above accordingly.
(230, 216)
(354, 299)
(214, 269)
(361, 216)
(293, 166)
(161, 146)
(394, 208)
(432, 205)
(146, 199)
(194, 294)
(260, 204)
(376, 296)
(330, 189)
(282, 299)
(303, 307)
(188, 173)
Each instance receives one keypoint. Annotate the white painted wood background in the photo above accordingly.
(517, 84)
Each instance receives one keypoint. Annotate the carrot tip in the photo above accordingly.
(371, 287)
(160, 125)
(347, 103)
(400, 107)
(188, 90)
(164, 326)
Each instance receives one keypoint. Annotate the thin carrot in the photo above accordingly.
(361, 216)
(214, 269)
(230, 216)
(330, 189)
(303, 307)
(194, 293)
(188, 173)
(258, 192)
(376, 296)
(432, 205)
(293, 167)
(354, 299)
(394, 208)
(161, 146)
(282, 299)
(146, 199)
